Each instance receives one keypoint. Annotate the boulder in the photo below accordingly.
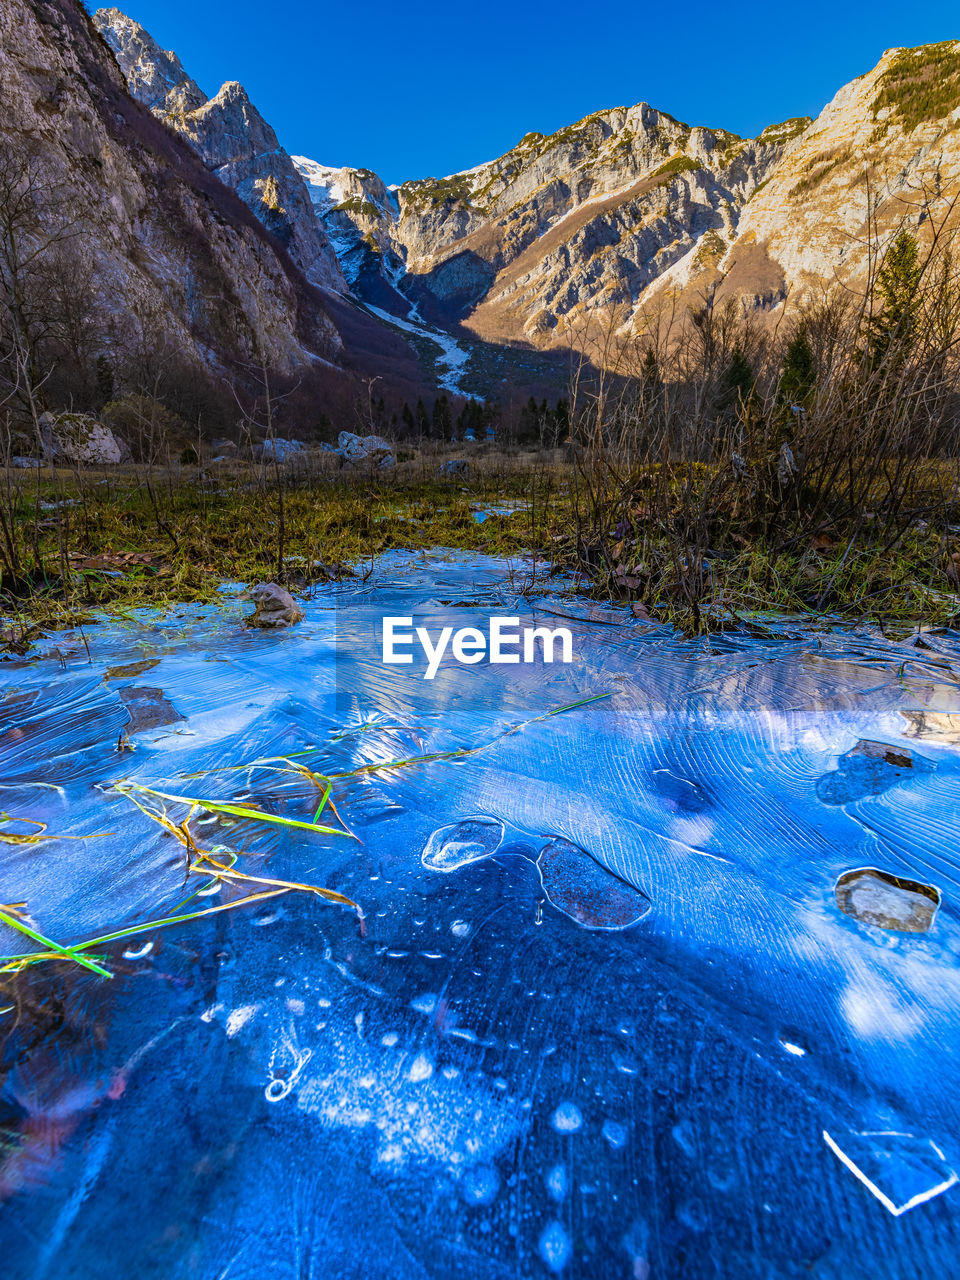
(80, 438)
(24, 463)
(454, 467)
(280, 450)
(365, 451)
(275, 607)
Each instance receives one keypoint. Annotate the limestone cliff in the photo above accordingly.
(623, 213)
(629, 211)
(561, 227)
(233, 140)
(169, 248)
(884, 153)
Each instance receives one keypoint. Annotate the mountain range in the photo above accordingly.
(614, 220)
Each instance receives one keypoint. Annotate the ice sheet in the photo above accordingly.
(604, 1010)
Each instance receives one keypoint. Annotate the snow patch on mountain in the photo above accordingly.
(452, 355)
(325, 184)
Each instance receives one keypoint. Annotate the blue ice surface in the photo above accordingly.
(604, 1017)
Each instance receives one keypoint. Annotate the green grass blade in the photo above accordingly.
(67, 953)
(233, 810)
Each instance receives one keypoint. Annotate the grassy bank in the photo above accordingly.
(111, 540)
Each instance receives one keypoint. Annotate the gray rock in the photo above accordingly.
(280, 450)
(275, 606)
(24, 463)
(367, 451)
(77, 437)
(887, 901)
(454, 467)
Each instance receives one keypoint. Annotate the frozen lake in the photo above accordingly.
(604, 1015)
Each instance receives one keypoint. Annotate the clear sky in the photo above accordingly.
(424, 89)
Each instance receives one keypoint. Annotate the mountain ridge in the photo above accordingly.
(620, 213)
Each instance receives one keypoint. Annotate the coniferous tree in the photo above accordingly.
(561, 416)
(898, 286)
(650, 375)
(799, 373)
(441, 417)
(106, 382)
(736, 383)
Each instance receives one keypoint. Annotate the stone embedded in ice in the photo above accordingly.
(938, 726)
(887, 901)
(868, 769)
(901, 1170)
(149, 708)
(586, 892)
(452, 847)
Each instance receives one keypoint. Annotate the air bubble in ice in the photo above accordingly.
(420, 1069)
(556, 1181)
(460, 929)
(464, 842)
(137, 953)
(238, 1018)
(480, 1184)
(796, 1050)
(614, 1133)
(567, 1118)
(554, 1247)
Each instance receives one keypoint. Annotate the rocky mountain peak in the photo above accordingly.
(154, 76)
(232, 138)
(607, 216)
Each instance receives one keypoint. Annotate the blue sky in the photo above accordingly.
(425, 89)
